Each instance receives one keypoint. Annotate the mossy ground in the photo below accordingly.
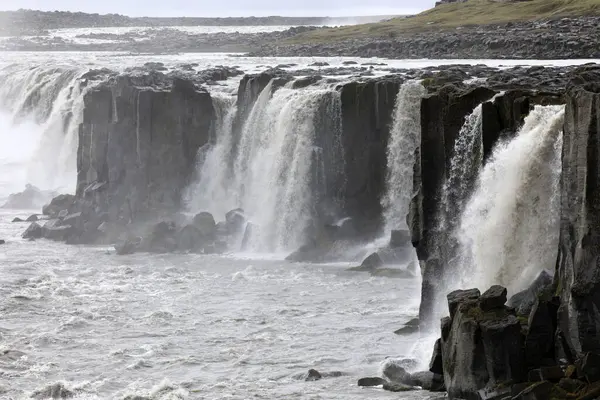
(450, 16)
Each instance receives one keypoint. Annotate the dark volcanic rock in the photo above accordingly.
(374, 381)
(313, 375)
(58, 204)
(34, 231)
(17, 219)
(408, 328)
(436, 365)
(459, 296)
(494, 297)
(542, 324)
(55, 391)
(2, 241)
(370, 264)
(480, 348)
(138, 143)
(128, 246)
(524, 301)
(393, 371)
(578, 269)
(32, 218)
(503, 343)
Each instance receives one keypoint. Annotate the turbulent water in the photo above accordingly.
(191, 326)
(509, 229)
(405, 138)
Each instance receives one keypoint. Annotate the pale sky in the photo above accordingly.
(216, 8)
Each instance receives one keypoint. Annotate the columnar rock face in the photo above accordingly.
(138, 143)
(367, 115)
(578, 268)
(482, 343)
(442, 116)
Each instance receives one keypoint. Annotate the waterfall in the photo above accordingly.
(279, 169)
(405, 138)
(210, 190)
(465, 164)
(44, 106)
(508, 231)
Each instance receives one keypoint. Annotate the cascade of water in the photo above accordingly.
(210, 191)
(278, 168)
(49, 103)
(466, 161)
(405, 138)
(509, 229)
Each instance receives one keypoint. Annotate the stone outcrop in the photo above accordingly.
(138, 144)
(578, 282)
(367, 112)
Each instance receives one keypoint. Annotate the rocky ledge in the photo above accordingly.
(566, 38)
(489, 351)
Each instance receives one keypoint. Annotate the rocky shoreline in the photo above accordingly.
(138, 142)
(566, 38)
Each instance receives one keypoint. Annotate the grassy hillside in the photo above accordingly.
(448, 16)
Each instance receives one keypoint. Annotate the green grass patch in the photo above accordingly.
(451, 16)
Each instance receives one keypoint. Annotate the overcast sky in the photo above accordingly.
(216, 8)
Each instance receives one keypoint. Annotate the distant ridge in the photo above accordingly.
(22, 21)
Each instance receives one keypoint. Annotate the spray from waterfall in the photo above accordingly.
(508, 231)
(405, 138)
(47, 104)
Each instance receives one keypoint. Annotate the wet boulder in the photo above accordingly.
(57, 204)
(588, 367)
(205, 223)
(54, 391)
(494, 297)
(411, 326)
(457, 297)
(32, 218)
(395, 372)
(161, 238)
(235, 221)
(54, 229)
(190, 238)
(428, 381)
(370, 263)
(2, 241)
(397, 387)
(34, 231)
(523, 301)
(371, 381)
(128, 245)
(17, 219)
(313, 375)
